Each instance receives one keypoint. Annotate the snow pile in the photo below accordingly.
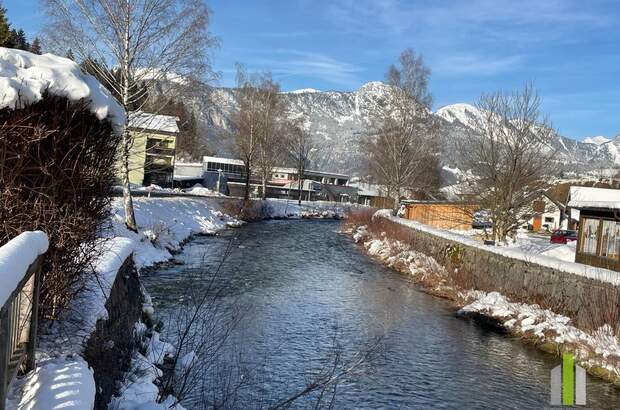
(202, 191)
(15, 258)
(603, 275)
(61, 383)
(158, 350)
(401, 257)
(599, 348)
(24, 77)
(138, 389)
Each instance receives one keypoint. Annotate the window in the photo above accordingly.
(590, 230)
(610, 239)
(548, 219)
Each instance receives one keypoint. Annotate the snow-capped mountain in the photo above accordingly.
(336, 119)
(598, 140)
(339, 119)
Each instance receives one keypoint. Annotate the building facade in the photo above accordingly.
(152, 156)
(544, 215)
(598, 241)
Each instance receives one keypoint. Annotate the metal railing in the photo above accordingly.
(18, 328)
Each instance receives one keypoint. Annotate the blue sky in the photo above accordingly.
(570, 49)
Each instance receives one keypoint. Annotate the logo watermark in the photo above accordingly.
(568, 383)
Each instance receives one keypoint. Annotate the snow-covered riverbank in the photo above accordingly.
(597, 350)
(164, 224)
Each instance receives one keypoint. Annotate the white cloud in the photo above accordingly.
(474, 65)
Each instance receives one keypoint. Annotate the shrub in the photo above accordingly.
(56, 173)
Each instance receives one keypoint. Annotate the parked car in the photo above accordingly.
(482, 220)
(563, 236)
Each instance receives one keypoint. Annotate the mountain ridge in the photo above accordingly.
(338, 119)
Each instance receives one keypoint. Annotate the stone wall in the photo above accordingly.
(110, 346)
(589, 302)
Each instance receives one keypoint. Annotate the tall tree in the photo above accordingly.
(509, 153)
(271, 128)
(21, 40)
(5, 29)
(300, 147)
(247, 121)
(35, 47)
(147, 41)
(401, 147)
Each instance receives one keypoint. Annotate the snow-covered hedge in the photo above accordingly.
(26, 77)
(59, 150)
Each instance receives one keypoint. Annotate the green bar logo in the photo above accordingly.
(568, 383)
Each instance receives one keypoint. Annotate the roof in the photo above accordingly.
(221, 160)
(307, 172)
(588, 197)
(367, 189)
(153, 122)
(434, 202)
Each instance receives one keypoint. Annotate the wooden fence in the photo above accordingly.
(18, 328)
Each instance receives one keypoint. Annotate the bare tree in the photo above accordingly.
(271, 130)
(401, 148)
(136, 43)
(258, 125)
(508, 150)
(247, 122)
(300, 146)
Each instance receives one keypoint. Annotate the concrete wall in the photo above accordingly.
(584, 300)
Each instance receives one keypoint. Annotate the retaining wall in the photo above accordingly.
(589, 302)
(110, 346)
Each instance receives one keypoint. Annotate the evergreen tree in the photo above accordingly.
(21, 41)
(11, 41)
(35, 47)
(4, 27)
(69, 55)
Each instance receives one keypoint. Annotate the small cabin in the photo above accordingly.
(442, 214)
(598, 242)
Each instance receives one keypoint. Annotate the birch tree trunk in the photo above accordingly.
(130, 217)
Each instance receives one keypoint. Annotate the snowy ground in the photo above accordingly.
(539, 244)
(62, 378)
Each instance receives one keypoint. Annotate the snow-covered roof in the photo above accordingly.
(221, 160)
(153, 122)
(367, 189)
(587, 197)
(25, 76)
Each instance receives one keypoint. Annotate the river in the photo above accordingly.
(301, 285)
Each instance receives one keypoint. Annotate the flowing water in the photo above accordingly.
(305, 292)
